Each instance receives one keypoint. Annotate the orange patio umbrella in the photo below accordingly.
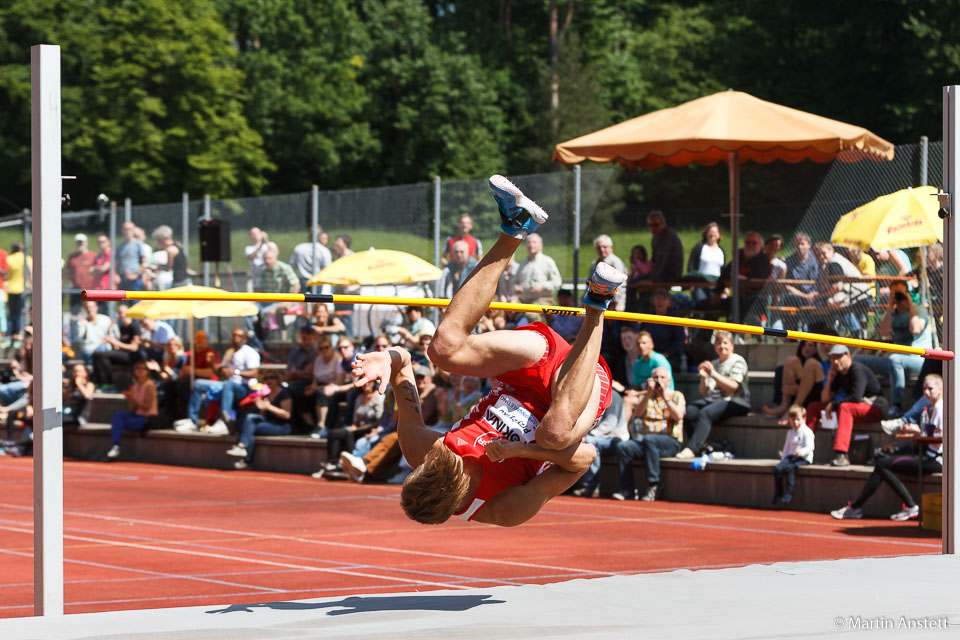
(732, 127)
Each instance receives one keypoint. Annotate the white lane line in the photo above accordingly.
(345, 545)
(220, 556)
(149, 575)
(822, 536)
(353, 565)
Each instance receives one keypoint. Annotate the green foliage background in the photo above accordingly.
(246, 97)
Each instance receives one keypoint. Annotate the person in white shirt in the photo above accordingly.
(260, 243)
(797, 451)
(302, 259)
(904, 461)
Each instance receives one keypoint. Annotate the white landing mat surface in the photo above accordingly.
(904, 597)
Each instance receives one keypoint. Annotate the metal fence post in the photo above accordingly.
(924, 159)
(576, 230)
(435, 313)
(951, 326)
(185, 226)
(206, 265)
(127, 210)
(314, 222)
(47, 390)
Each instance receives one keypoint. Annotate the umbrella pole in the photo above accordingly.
(193, 353)
(925, 293)
(734, 173)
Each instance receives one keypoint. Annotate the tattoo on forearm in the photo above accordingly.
(408, 393)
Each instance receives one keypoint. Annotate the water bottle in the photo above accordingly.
(699, 464)
(925, 422)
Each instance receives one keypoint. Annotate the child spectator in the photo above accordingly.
(797, 451)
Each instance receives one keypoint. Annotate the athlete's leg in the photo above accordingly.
(454, 347)
(576, 392)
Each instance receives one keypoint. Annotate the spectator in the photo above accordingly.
(237, 371)
(15, 395)
(325, 324)
(907, 324)
(341, 246)
(655, 432)
(77, 391)
(802, 264)
(78, 270)
(174, 266)
(419, 355)
(538, 278)
(299, 374)
(753, 265)
(724, 390)
(464, 229)
(123, 350)
(414, 326)
(274, 407)
(274, 277)
(101, 265)
(670, 339)
(326, 367)
(507, 281)
(131, 259)
(158, 333)
(428, 392)
(771, 247)
(603, 245)
(903, 460)
(340, 388)
(176, 377)
(92, 329)
(302, 258)
(648, 360)
(833, 291)
(667, 250)
(255, 252)
(566, 326)
(142, 397)
(707, 256)
(610, 431)
(863, 400)
(621, 368)
(367, 412)
(797, 451)
(457, 270)
(174, 359)
(639, 271)
(892, 262)
(801, 380)
(18, 276)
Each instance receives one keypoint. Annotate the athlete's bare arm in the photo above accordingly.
(576, 458)
(394, 365)
(515, 505)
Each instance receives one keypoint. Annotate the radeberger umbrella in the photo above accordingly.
(377, 266)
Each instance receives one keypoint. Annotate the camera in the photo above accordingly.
(899, 296)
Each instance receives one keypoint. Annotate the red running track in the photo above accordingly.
(141, 536)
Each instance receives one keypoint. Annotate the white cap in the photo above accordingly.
(80, 237)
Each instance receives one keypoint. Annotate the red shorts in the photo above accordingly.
(537, 379)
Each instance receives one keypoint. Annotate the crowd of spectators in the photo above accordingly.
(185, 386)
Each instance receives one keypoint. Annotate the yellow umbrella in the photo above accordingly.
(180, 309)
(905, 218)
(377, 266)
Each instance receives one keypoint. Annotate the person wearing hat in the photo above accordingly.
(78, 271)
(861, 400)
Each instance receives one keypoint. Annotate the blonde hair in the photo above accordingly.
(796, 411)
(432, 493)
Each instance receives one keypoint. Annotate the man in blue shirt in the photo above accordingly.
(648, 360)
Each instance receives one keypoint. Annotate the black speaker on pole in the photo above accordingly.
(215, 240)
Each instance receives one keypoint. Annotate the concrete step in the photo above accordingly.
(749, 483)
(284, 454)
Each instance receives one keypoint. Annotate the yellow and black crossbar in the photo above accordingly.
(111, 295)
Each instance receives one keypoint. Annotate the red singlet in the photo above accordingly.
(513, 410)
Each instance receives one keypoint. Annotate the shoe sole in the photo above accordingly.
(237, 454)
(610, 276)
(500, 183)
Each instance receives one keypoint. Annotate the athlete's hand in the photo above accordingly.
(501, 449)
(372, 367)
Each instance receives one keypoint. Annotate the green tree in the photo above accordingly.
(152, 101)
(303, 68)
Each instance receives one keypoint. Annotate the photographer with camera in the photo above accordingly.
(906, 323)
(656, 431)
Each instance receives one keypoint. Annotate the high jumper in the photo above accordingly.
(521, 445)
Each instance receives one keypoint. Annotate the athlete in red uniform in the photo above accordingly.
(521, 445)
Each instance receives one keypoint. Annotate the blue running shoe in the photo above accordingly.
(519, 215)
(602, 286)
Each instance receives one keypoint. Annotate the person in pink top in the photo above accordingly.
(142, 396)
